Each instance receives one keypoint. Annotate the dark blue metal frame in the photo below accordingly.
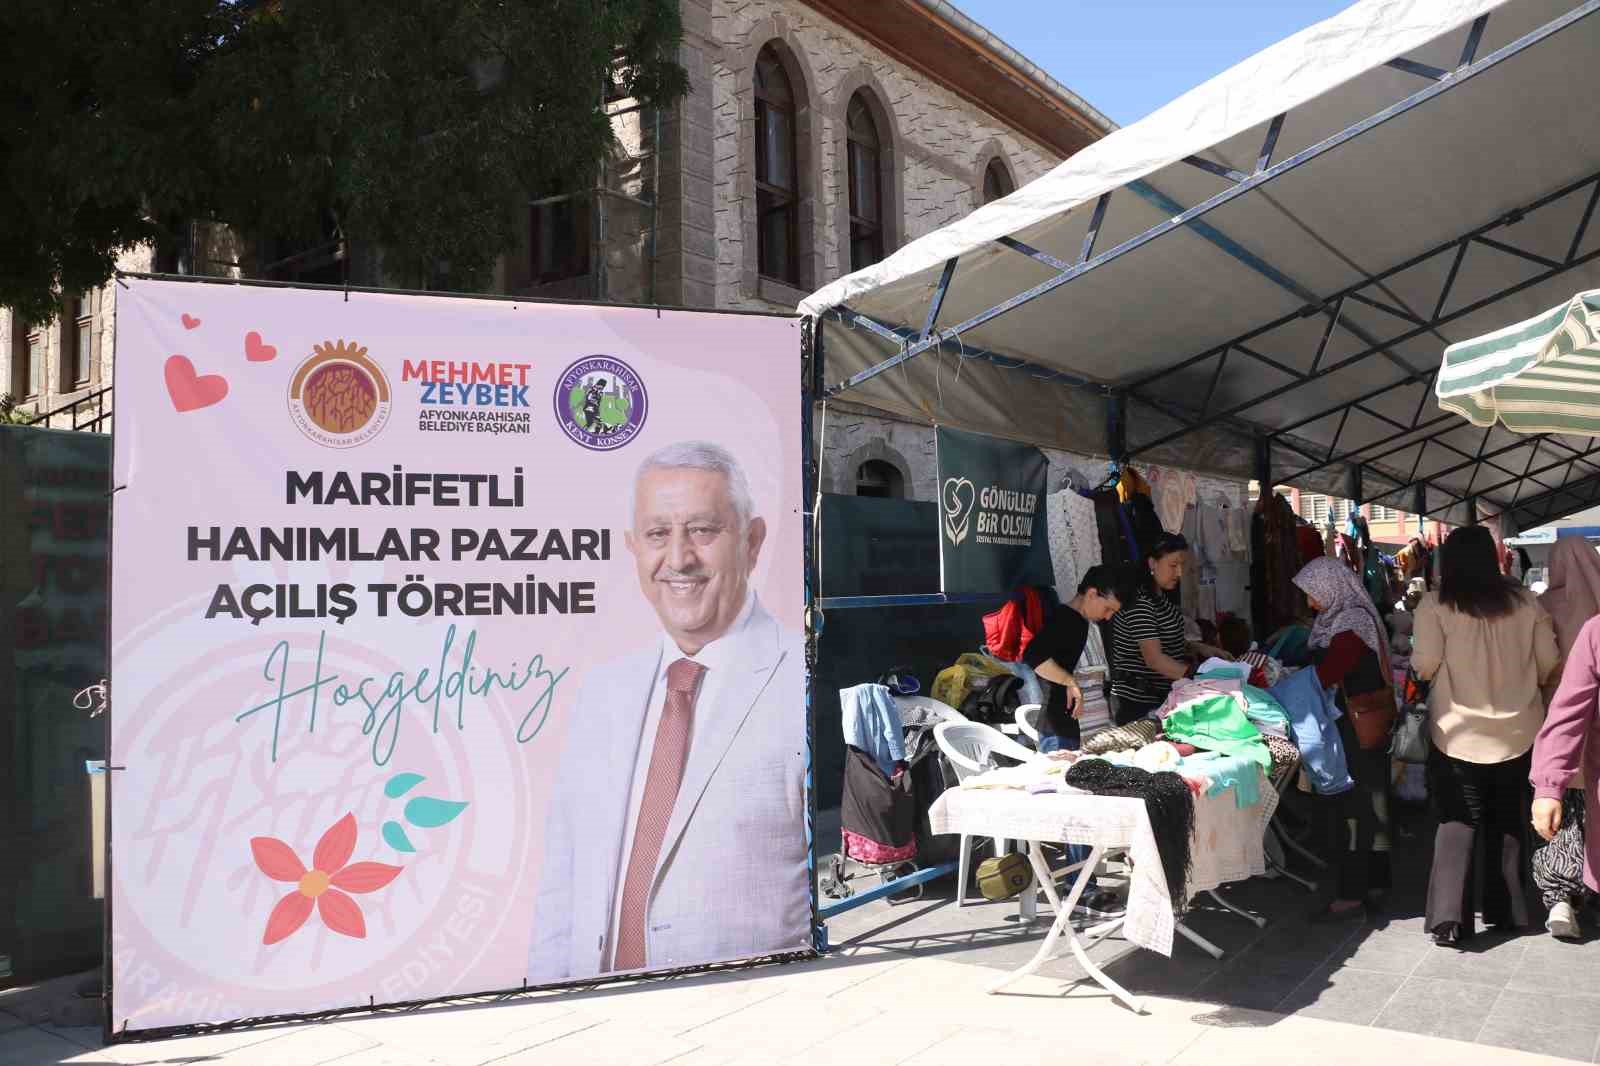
(911, 343)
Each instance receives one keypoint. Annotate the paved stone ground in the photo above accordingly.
(906, 984)
(1530, 993)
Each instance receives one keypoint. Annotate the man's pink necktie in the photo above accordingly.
(661, 785)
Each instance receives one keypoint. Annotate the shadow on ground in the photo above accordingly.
(1526, 992)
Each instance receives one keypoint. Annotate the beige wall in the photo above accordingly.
(939, 145)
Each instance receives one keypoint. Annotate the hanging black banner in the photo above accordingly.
(992, 534)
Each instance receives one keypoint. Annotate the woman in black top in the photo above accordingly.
(1055, 651)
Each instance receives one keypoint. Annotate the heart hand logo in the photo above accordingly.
(958, 499)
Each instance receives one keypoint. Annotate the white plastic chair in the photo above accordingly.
(1028, 716)
(971, 748)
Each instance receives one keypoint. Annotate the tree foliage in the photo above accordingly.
(414, 125)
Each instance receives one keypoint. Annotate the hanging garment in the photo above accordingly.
(1131, 483)
(1189, 588)
(877, 814)
(1238, 524)
(1174, 493)
(1145, 527)
(1169, 804)
(1214, 537)
(872, 724)
(1310, 543)
(1218, 724)
(1074, 539)
(1063, 556)
(1010, 629)
(1313, 717)
(1114, 549)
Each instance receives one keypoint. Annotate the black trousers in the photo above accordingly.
(1125, 711)
(1360, 839)
(1479, 805)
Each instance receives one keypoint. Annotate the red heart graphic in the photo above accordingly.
(189, 321)
(191, 391)
(256, 351)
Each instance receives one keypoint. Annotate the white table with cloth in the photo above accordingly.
(1227, 847)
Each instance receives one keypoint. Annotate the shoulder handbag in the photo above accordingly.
(1412, 740)
(1372, 716)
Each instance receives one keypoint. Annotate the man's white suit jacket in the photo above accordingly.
(731, 881)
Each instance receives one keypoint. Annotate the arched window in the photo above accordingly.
(777, 177)
(866, 185)
(879, 478)
(997, 182)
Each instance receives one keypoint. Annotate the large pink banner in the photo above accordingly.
(455, 647)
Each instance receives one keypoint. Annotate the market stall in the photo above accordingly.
(1254, 281)
(1253, 284)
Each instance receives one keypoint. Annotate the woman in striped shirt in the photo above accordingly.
(1149, 647)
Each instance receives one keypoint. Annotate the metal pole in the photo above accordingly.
(1117, 427)
(655, 205)
(1264, 463)
(811, 346)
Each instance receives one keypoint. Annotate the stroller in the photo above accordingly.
(884, 820)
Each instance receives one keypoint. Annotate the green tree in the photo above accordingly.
(410, 124)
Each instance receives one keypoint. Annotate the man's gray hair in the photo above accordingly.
(699, 455)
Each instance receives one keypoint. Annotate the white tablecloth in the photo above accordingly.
(1227, 840)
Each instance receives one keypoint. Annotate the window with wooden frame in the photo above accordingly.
(558, 239)
(27, 360)
(77, 343)
(866, 184)
(777, 172)
(997, 182)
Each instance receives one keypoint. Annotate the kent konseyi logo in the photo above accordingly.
(339, 396)
(459, 396)
(601, 403)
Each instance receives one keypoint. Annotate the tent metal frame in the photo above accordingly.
(1367, 293)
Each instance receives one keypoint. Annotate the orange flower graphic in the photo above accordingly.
(325, 885)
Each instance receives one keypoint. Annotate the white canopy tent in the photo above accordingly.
(1269, 267)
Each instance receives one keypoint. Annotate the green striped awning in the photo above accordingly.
(1538, 376)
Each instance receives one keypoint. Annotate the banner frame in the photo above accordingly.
(109, 1033)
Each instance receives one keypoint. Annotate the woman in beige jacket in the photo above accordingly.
(1487, 646)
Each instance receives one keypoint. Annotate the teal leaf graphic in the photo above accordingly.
(430, 813)
(400, 784)
(394, 835)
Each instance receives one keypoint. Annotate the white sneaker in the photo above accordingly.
(1563, 922)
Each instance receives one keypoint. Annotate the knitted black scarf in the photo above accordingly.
(1168, 800)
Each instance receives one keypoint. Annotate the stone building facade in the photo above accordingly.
(892, 118)
(935, 87)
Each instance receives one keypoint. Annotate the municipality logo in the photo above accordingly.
(339, 396)
(958, 498)
(601, 403)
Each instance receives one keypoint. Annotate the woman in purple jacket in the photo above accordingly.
(1565, 753)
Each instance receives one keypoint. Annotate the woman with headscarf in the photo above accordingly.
(1350, 652)
(1572, 599)
(1488, 647)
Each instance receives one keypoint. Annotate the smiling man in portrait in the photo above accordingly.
(676, 832)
